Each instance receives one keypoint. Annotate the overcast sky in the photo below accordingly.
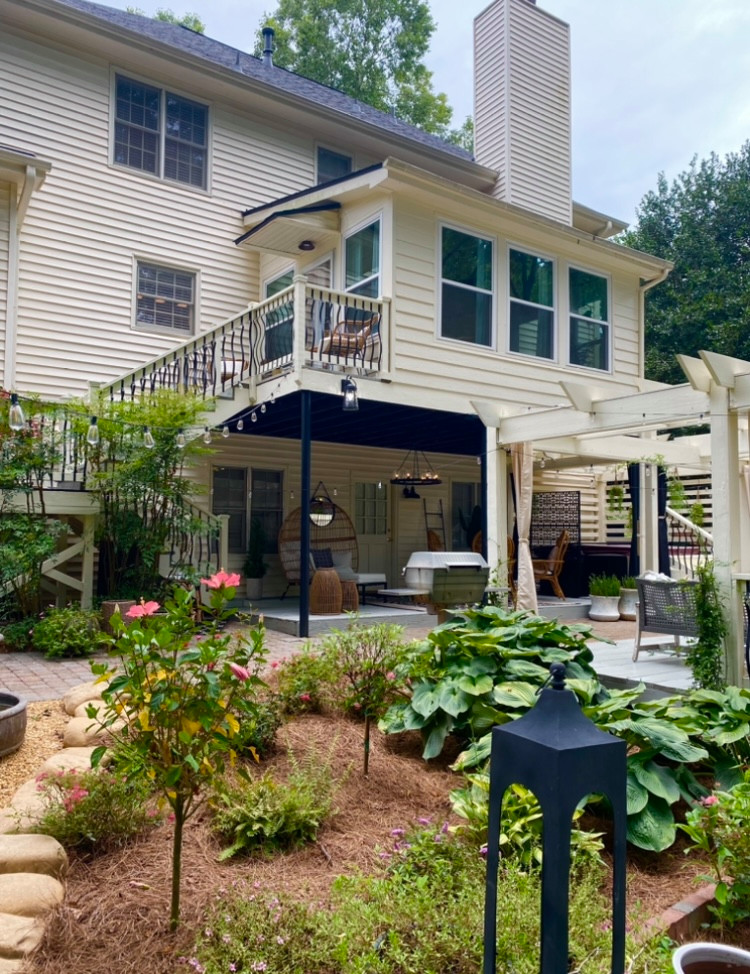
(655, 82)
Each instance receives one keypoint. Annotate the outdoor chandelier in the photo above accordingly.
(415, 472)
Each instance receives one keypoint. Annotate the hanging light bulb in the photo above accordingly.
(240, 425)
(180, 442)
(253, 417)
(225, 432)
(272, 397)
(291, 495)
(262, 407)
(148, 439)
(92, 435)
(16, 418)
(207, 435)
(380, 485)
(335, 492)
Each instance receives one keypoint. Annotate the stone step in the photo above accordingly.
(29, 894)
(32, 854)
(19, 935)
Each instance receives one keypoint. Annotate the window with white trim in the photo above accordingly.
(589, 319)
(466, 286)
(165, 298)
(370, 509)
(229, 496)
(332, 165)
(160, 132)
(267, 504)
(362, 261)
(532, 304)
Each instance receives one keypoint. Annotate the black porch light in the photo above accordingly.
(322, 508)
(415, 472)
(560, 755)
(349, 390)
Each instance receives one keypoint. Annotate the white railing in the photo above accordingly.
(689, 544)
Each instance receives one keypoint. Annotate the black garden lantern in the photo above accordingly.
(560, 755)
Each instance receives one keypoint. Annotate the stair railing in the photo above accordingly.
(690, 546)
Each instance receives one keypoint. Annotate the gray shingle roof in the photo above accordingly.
(188, 41)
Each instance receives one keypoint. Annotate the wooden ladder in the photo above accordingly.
(434, 524)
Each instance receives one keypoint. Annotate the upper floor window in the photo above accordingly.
(532, 305)
(165, 298)
(362, 261)
(466, 287)
(160, 132)
(589, 320)
(332, 165)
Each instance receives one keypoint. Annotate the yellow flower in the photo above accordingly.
(234, 724)
(191, 726)
(143, 720)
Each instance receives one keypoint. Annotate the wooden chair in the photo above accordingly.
(352, 337)
(434, 541)
(548, 569)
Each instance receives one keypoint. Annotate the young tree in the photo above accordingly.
(701, 221)
(371, 49)
(192, 21)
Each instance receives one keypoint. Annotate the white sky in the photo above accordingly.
(655, 82)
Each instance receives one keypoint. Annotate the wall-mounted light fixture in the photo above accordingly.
(349, 389)
(306, 245)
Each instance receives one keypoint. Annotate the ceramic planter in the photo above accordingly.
(628, 603)
(253, 589)
(12, 723)
(604, 608)
(705, 958)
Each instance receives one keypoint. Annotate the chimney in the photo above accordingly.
(268, 35)
(522, 105)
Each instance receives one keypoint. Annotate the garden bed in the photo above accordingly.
(117, 905)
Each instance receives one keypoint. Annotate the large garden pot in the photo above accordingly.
(111, 606)
(628, 604)
(12, 722)
(705, 958)
(604, 608)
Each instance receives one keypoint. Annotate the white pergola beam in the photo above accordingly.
(630, 449)
(640, 411)
(723, 368)
(696, 372)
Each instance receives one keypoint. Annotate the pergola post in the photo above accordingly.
(496, 500)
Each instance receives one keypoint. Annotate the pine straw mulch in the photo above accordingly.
(115, 914)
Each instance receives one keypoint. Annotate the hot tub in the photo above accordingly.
(421, 566)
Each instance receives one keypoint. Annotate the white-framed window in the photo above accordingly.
(588, 296)
(467, 289)
(267, 504)
(165, 297)
(229, 496)
(532, 304)
(362, 261)
(160, 132)
(332, 165)
(370, 509)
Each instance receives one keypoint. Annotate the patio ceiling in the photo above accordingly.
(375, 424)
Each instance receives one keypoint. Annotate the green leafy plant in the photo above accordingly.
(615, 500)
(628, 582)
(676, 493)
(697, 513)
(257, 730)
(254, 566)
(17, 636)
(606, 585)
(362, 661)
(303, 681)
(95, 809)
(67, 632)
(718, 828)
(706, 656)
(267, 814)
(179, 686)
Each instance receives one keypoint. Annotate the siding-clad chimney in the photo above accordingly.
(522, 105)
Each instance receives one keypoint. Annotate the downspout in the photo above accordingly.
(646, 286)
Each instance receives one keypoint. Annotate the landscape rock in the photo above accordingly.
(29, 799)
(81, 709)
(19, 935)
(69, 759)
(32, 854)
(9, 821)
(29, 894)
(11, 966)
(83, 732)
(80, 694)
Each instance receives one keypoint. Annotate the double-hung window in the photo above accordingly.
(467, 289)
(532, 305)
(589, 320)
(280, 320)
(165, 298)
(229, 496)
(362, 261)
(159, 132)
(267, 504)
(332, 165)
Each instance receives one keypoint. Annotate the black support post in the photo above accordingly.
(304, 539)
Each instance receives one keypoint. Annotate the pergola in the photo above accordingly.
(590, 426)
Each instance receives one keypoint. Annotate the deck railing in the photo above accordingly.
(337, 330)
(689, 545)
(196, 543)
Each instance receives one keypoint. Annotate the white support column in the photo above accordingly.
(725, 484)
(496, 499)
(648, 538)
(87, 565)
(300, 314)
(223, 541)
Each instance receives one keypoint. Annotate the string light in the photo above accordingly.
(262, 407)
(240, 425)
(207, 435)
(148, 438)
(225, 432)
(180, 442)
(16, 418)
(253, 417)
(92, 435)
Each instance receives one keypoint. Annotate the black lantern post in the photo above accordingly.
(560, 755)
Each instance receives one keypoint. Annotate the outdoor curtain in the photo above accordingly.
(662, 493)
(634, 486)
(522, 459)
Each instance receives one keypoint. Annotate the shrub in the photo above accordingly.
(94, 809)
(17, 636)
(604, 585)
(706, 656)
(257, 730)
(67, 632)
(304, 682)
(272, 815)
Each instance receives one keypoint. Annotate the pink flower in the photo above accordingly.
(390, 676)
(305, 697)
(274, 664)
(357, 705)
(144, 609)
(241, 672)
(710, 800)
(221, 580)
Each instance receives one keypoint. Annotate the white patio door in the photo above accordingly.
(371, 525)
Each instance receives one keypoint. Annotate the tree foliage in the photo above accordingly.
(192, 21)
(371, 49)
(701, 221)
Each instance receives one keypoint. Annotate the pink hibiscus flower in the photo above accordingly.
(222, 580)
(144, 609)
(241, 672)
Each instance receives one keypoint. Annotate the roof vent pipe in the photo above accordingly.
(268, 35)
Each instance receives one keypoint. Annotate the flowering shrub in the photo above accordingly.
(93, 809)
(303, 682)
(183, 693)
(718, 826)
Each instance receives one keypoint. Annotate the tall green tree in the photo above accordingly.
(701, 221)
(192, 21)
(371, 49)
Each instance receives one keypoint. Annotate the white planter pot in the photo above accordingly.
(604, 608)
(253, 589)
(710, 959)
(627, 604)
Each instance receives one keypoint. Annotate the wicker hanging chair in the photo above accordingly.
(338, 537)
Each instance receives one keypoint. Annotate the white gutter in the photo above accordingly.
(660, 277)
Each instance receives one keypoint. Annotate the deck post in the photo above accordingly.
(87, 565)
(305, 488)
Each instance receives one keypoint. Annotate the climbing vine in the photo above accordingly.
(706, 657)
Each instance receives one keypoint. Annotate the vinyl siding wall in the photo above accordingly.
(90, 222)
(476, 372)
(5, 191)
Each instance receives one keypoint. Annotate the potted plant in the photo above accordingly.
(628, 598)
(605, 595)
(255, 568)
